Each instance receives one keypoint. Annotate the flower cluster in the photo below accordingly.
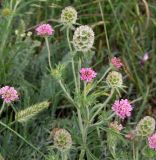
(69, 16)
(44, 30)
(62, 139)
(83, 38)
(122, 108)
(87, 74)
(8, 94)
(152, 141)
(116, 62)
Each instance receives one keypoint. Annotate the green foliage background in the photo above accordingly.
(131, 28)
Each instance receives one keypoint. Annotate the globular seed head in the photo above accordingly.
(83, 38)
(62, 139)
(145, 127)
(69, 16)
(114, 79)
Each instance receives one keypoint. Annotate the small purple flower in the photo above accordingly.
(122, 108)
(44, 30)
(152, 141)
(87, 74)
(145, 58)
(8, 94)
(116, 62)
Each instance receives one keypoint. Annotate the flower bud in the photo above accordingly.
(29, 34)
(6, 12)
(117, 127)
(58, 71)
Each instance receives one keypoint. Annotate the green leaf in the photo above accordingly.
(147, 152)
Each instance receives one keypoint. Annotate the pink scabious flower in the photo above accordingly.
(152, 141)
(87, 74)
(122, 108)
(44, 30)
(116, 62)
(8, 94)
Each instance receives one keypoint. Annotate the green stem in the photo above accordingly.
(8, 28)
(18, 135)
(49, 55)
(137, 155)
(103, 76)
(133, 150)
(80, 121)
(105, 29)
(84, 92)
(102, 106)
(64, 156)
(85, 96)
(78, 74)
(82, 133)
(72, 61)
(82, 154)
(66, 92)
(13, 108)
(3, 105)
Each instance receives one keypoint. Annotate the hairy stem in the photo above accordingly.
(2, 108)
(103, 76)
(82, 133)
(105, 29)
(49, 55)
(72, 60)
(66, 92)
(64, 156)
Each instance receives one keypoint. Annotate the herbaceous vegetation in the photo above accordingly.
(77, 80)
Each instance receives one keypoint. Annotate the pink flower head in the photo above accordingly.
(145, 58)
(122, 108)
(152, 141)
(8, 94)
(44, 30)
(116, 62)
(87, 74)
